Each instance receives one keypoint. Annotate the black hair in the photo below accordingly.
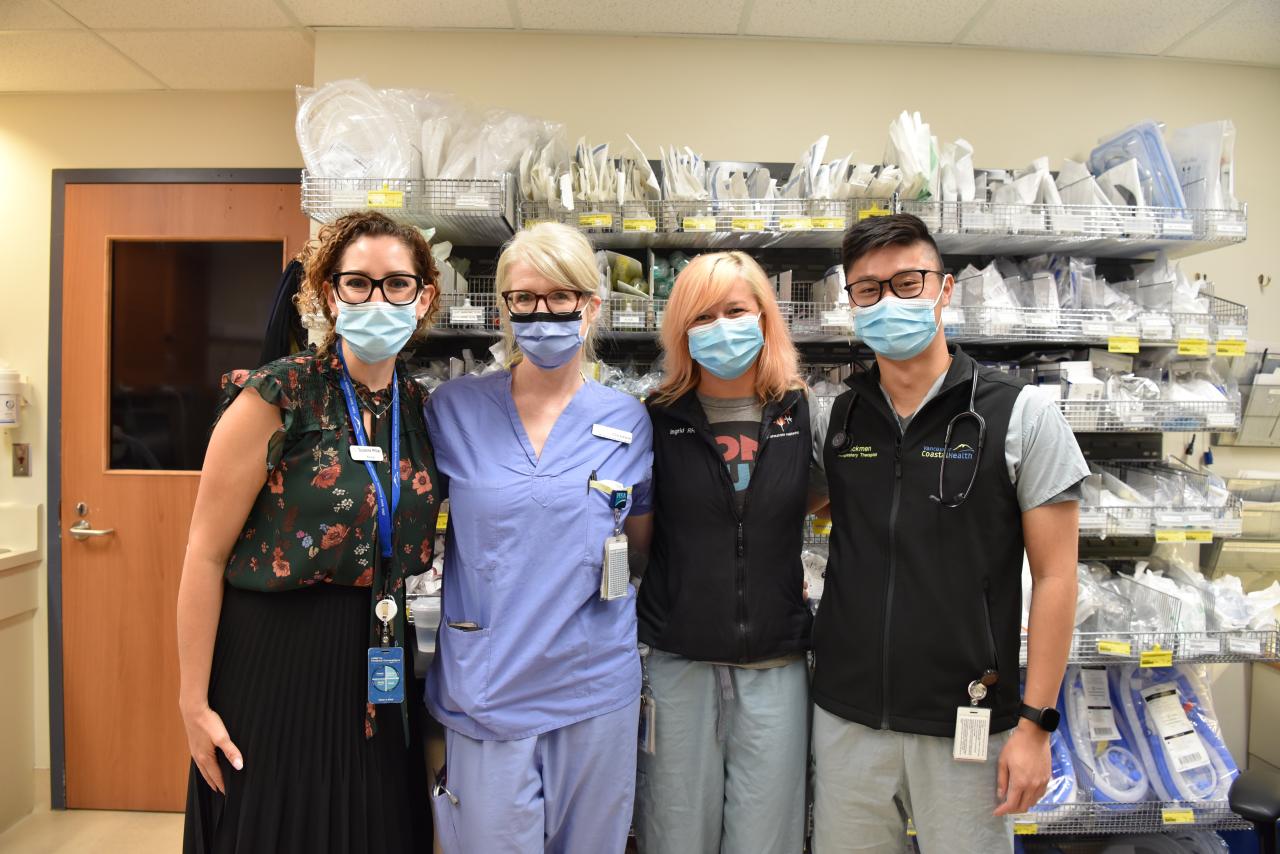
(877, 232)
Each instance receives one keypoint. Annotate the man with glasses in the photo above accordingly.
(940, 473)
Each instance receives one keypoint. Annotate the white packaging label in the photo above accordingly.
(630, 319)
(1096, 328)
(973, 728)
(1202, 646)
(1102, 718)
(473, 201)
(952, 316)
(840, 318)
(1164, 707)
(1245, 646)
(466, 315)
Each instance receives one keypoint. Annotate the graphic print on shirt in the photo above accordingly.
(739, 445)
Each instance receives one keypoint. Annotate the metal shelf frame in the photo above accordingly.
(1092, 819)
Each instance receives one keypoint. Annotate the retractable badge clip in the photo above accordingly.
(973, 722)
(615, 574)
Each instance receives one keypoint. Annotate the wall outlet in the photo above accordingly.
(21, 460)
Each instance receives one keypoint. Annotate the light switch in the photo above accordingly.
(21, 460)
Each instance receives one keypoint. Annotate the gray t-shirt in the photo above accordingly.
(735, 423)
(1040, 451)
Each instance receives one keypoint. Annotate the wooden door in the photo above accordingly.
(164, 285)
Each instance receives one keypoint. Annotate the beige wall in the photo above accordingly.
(739, 99)
(37, 135)
(726, 98)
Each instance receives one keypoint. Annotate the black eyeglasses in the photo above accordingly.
(907, 284)
(561, 303)
(356, 288)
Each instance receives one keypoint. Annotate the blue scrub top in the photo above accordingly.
(523, 558)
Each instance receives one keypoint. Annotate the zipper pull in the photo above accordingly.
(897, 459)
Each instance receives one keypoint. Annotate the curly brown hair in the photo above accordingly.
(321, 256)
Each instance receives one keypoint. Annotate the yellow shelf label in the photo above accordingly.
(1025, 828)
(822, 527)
(1171, 536)
(699, 223)
(385, 199)
(795, 223)
(1193, 346)
(1230, 347)
(1123, 344)
(530, 223)
(442, 522)
(870, 212)
(747, 223)
(834, 223)
(1173, 816)
(1199, 536)
(595, 220)
(1114, 647)
(640, 224)
(1156, 657)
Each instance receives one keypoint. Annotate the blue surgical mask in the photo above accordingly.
(376, 331)
(897, 328)
(728, 346)
(547, 340)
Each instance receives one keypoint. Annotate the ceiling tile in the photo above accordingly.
(34, 15)
(1248, 32)
(862, 20)
(230, 59)
(1090, 26)
(175, 14)
(477, 14)
(620, 17)
(83, 64)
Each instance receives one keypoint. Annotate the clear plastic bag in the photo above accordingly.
(1152, 173)
(345, 129)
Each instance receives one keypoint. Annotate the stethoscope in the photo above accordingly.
(842, 441)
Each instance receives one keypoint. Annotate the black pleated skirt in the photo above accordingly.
(289, 679)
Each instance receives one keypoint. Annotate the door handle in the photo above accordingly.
(81, 530)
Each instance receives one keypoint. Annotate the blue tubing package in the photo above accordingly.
(1108, 764)
(1144, 143)
(1171, 711)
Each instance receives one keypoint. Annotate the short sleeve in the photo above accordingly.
(276, 383)
(819, 423)
(1041, 452)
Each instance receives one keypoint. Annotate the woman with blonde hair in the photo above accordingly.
(316, 500)
(721, 609)
(536, 678)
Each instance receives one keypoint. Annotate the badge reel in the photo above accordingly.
(973, 723)
(615, 574)
(386, 662)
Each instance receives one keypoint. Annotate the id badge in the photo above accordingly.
(386, 674)
(367, 454)
(648, 725)
(615, 575)
(973, 730)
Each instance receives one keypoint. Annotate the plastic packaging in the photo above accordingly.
(914, 150)
(1204, 158)
(1171, 711)
(1107, 763)
(347, 130)
(1153, 172)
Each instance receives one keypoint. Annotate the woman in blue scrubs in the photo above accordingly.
(537, 675)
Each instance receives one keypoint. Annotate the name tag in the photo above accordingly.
(611, 433)
(366, 453)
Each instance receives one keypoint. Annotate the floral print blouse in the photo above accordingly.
(315, 519)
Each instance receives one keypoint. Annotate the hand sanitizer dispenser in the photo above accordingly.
(10, 398)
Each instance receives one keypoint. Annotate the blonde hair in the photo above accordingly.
(699, 287)
(559, 254)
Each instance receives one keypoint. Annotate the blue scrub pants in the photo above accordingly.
(732, 749)
(567, 791)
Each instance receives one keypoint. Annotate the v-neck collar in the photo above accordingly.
(517, 425)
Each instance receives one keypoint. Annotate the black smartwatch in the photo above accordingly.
(1046, 719)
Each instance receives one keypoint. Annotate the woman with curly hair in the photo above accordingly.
(316, 500)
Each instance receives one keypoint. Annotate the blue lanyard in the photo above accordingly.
(385, 511)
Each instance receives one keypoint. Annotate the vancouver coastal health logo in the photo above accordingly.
(963, 451)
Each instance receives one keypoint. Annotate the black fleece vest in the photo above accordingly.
(724, 585)
(920, 599)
